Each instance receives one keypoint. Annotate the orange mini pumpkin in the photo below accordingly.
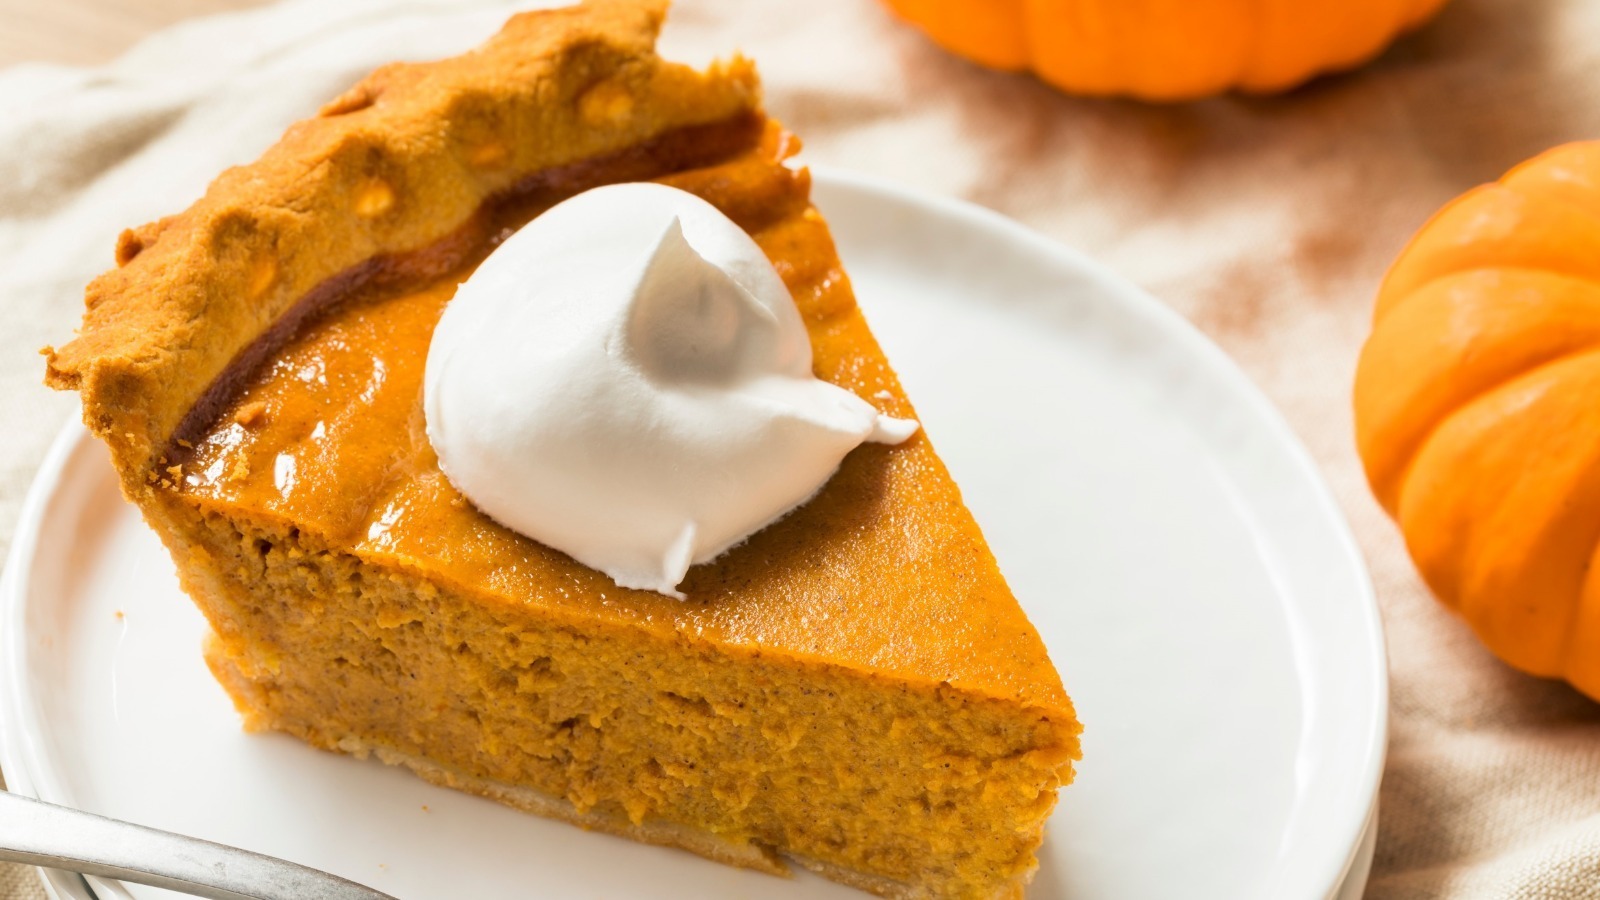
(1167, 49)
(1477, 404)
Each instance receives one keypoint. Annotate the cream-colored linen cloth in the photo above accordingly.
(1268, 222)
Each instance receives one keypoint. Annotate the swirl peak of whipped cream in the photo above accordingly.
(627, 380)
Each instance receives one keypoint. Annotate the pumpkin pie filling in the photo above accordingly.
(854, 688)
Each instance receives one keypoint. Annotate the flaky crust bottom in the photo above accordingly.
(526, 799)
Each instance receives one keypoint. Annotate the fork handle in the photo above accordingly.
(56, 837)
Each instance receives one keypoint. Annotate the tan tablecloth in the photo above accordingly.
(1267, 222)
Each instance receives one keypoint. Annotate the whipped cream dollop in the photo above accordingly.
(627, 380)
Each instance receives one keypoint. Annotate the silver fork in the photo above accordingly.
(56, 837)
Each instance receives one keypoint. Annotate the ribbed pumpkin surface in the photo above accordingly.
(1167, 49)
(1477, 405)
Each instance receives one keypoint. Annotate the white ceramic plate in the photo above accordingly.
(1166, 532)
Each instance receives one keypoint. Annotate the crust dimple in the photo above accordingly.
(356, 99)
(397, 162)
(129, 245)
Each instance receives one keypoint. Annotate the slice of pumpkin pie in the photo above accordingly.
(852, 687)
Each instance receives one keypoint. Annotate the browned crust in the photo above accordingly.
(399, 162)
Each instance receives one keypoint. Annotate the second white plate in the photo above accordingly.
(1165, 531)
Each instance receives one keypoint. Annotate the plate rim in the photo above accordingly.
(19, 752)
(16, 750)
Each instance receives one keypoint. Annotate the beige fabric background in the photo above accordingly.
(1268, 222)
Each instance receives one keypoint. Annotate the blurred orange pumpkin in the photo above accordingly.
(1477, 404)
(1167, 49)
